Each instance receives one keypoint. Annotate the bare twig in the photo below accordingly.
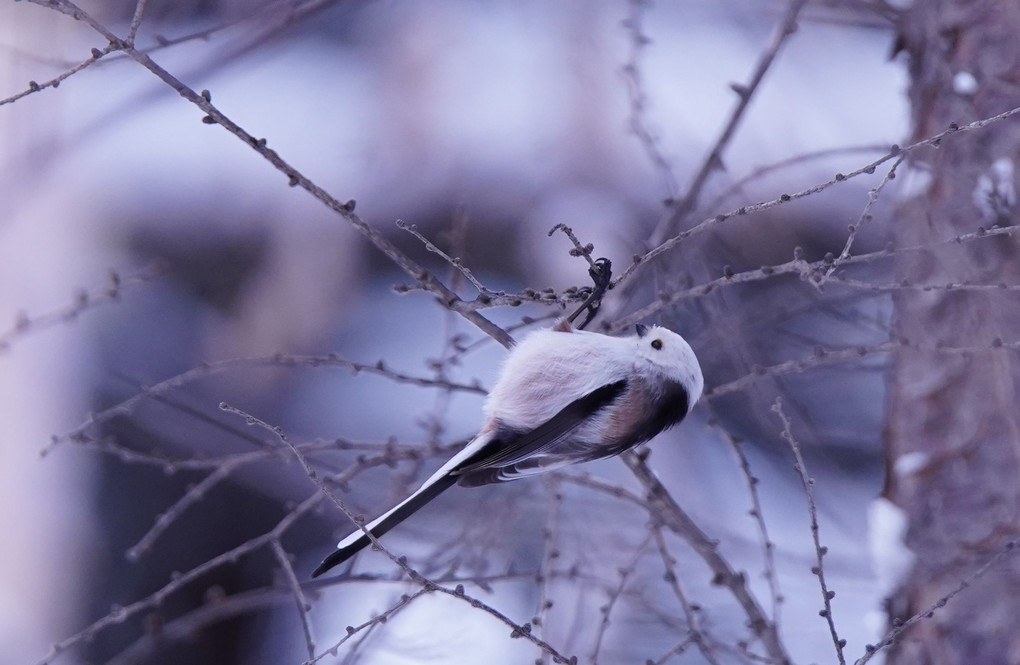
(303, 607)
(189, 498)
(84, 302)
(614, 594)
(34, 86)
(352, 631)
(865, 217)
(79, 433)
(745, 92)
(638, 99)
(782, 199)
(296, 178)
(185, 627)
(697, 632)
(579, 249)
(455, 262)
(768, 548)
(676, 518)
(761, 171)
(1010, 549)
(156, 599)
(807, 270)
(820, 550)
(517, 630)
(550, 554)
(136, 21)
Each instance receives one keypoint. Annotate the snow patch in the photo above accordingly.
(964, 84)
(910, 463)
(891, 559)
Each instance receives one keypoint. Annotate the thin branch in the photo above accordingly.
(580, 249)
(768, 547)
(697, 632)
(181, 629)
(638, 99)
(677, 519)
(676, 650)
(303, 607)
(34, 86)
(136, 21)
(352, 631)
(191, 497)
(745, 92)
(932, 141)
(865, 217)
(820, 550)
(1010, 549)
(823, 356)
(614, 595)
(455, 262)
(517, 630)
(214, 116)
(84, 302)
(807, 270)
(550, 554)
(178, 581)
(125, 407)
(762, 171)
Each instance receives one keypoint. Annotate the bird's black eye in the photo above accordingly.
(656, 344)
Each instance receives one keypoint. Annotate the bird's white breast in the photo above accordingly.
(549, 369)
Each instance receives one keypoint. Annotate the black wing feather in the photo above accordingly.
(505, 449)
(513, 449)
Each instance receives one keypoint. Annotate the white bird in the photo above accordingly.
(564, 396)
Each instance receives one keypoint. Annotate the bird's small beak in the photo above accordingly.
(641, 329)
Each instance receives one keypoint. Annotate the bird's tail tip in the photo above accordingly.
(334, 559)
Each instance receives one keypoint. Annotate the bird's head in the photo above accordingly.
(665, 354)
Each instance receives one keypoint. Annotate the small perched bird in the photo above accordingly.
(564, 396)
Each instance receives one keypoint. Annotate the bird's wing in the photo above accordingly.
(508, 450)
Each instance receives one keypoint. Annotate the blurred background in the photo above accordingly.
(485, 124)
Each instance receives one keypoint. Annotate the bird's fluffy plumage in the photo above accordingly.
(563, 396)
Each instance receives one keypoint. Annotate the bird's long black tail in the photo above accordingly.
(357, 541)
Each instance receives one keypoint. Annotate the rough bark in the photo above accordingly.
(959, 410)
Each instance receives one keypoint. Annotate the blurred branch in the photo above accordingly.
(638, 99)
(303, 607)
(762, 171)
(34, 87)
(745, 92)
(1009, 549)
(768, 547)
(214, 116)
(614, 594)
(125, 407)
(812, 271)
(673, 516)
(84, 301)
(820, 550)
(517, 630)
(932, 141)
(864, 218)
(697, 634)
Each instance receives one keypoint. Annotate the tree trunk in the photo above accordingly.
(959, 410)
